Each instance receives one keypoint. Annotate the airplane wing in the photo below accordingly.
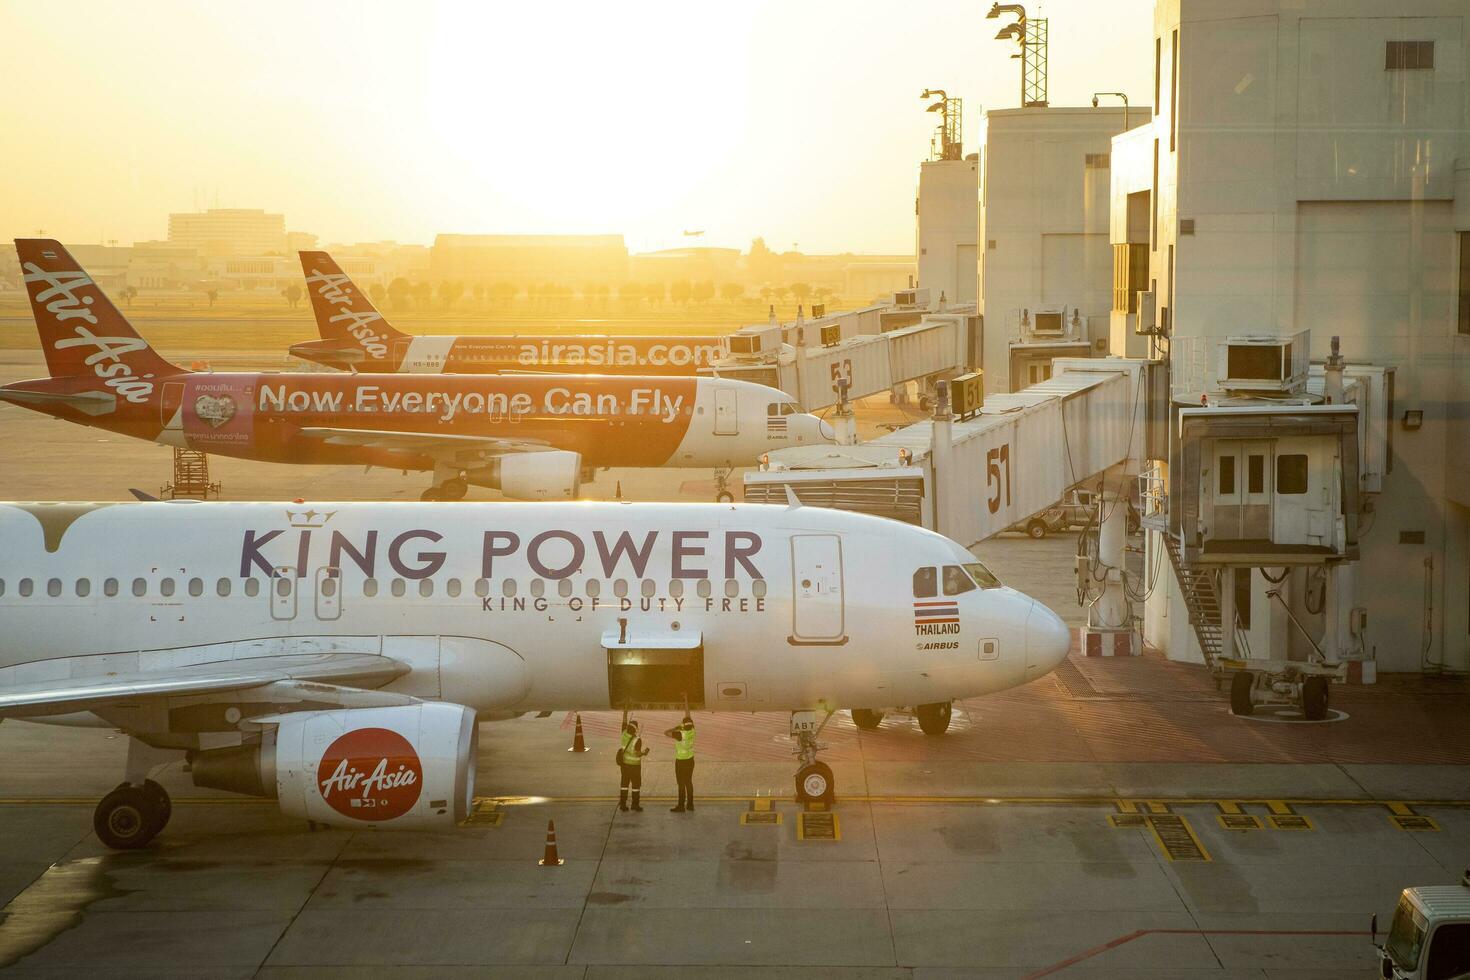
(440, 445)
(290, 676)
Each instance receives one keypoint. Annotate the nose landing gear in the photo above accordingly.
(722, 485)
(934, 718)
(814, 782)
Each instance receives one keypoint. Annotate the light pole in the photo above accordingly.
(1030, 35)
(950, 140)
(1119, 95)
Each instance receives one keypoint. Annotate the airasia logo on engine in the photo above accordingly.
(370, 774)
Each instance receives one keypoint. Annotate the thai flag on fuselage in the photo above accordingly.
(776, 425)
(941, 611)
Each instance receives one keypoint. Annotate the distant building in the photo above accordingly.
(229, 231)
(529, 259)
(694, 264)
(299, 241)
(947, 210)
(163, 265)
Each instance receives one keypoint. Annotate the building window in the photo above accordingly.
(1227, 476)
(1174, 92)
(1158, 64)
(1130, 275)
(1291, 473)
(1255, 468)
(1097, 161)
(1408, 56)
(1464, 323)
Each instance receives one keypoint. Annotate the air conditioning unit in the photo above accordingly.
(831, 334)
(819, 310)
(755, 341)
(1049, 323)
(1274, 364)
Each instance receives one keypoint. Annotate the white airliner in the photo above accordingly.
(337, 657)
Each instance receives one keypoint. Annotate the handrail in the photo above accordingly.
(1276, 594)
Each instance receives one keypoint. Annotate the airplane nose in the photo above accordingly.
(1048, 640)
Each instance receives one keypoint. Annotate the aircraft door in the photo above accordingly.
(1243, 490)
(816, 589)
(283, 593)
(727, 412)
(328, 593)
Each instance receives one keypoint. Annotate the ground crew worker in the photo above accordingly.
(630, 763)
(683, 736)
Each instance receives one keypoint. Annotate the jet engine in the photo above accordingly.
(408, 767)
(555, 474)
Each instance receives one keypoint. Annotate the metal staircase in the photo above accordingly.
(191, 477)
(1197, 585)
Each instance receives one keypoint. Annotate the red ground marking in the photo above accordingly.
(1129, 709)
(1139, 934)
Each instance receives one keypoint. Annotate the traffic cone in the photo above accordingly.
(578, 743)
(550, 860)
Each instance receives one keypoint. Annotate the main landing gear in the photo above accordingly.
(138, 809)
(453, 488)
(814, 782)
(933, 718)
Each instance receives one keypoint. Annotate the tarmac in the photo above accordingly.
(1109, 820)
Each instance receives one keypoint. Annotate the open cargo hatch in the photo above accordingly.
(654, 671)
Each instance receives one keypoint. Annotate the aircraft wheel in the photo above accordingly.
(161, 800)
(454, 489)
(1240, 694)
(934, 718)
(1314, 698)
(868, 719)
(1037, 529)
(127, 818)
(725, 497)
(433, 493)
(814, 784)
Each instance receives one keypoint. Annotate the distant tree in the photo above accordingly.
(503, 292)
(400, 290)
(423, 295)
(450, 292)
(655, 292)
(681, 291)
(377, 291)
(629, 293)
(824, 293)
(802, 291)
(212, 294)
(766, 294)
(703, 291)
(731, 291)
(479, 291)
(292, 294)
(129, 294)
(603, 292)
(781, 293)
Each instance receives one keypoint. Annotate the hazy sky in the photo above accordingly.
(798, 120)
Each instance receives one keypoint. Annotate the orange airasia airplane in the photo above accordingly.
(356, 337)
(530, 436)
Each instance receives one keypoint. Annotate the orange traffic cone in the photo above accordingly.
(550, 860)
(578, 743)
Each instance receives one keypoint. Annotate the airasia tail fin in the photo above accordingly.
(82, 333)
(343, 312)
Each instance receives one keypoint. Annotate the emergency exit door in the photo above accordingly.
(727, 412)
(1243, 485)
(816, 589)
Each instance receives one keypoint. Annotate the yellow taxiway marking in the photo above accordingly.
(1176, 838)
(820, 825)
(1229, 806)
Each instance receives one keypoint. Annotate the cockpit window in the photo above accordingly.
(782, 408)
(924, 584)
(983, 576)
(956, 582)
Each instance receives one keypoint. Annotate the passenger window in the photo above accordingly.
(109, 587)
(593, 588)
(53, 587)
(538, 588)
(564, 587)
(676, 589)
(1227, 475)
(508, 588)
(252, 587)
(166, 587)
(451, 588)
(84, 587)
(704, 588)
(369, 587)
(329, 587)
(924, 584)
(983, 576)
(1291, 473)
(2, 586)
(222, 588)
(27, 587)
(398, 587)
(620, 588)
(647, 588)
(732, 588)
(482, 587)
(140, 586)
(196, 587)
(956, 582)
(758, 588)
(283, 587)
(426, 588)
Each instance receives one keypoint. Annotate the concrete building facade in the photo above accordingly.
(229, 231)
(1308, 168)
(947, 228)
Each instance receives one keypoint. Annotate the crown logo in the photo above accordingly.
(309, 518)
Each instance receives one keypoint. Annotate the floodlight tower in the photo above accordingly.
(1030, 35)
(947, 143)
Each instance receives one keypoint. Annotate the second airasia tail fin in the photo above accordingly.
(82, 333)
(343, 312)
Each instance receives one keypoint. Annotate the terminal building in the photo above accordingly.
(1305, 175)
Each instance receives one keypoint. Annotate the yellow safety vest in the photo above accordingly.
(631, 755)
(684, 747)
